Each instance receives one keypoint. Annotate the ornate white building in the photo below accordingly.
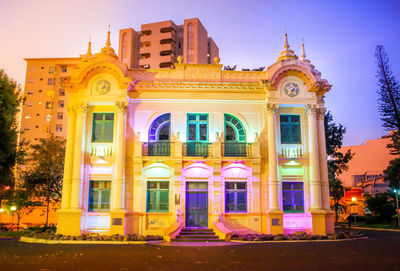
(155, 151)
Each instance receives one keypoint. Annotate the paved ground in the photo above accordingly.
(379, 252)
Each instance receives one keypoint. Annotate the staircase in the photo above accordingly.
(197, 235)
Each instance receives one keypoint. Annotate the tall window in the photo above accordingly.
(234, 130)
(99, 195)
(293, 197)
(160, 128)
(235, 197)
(197, 127)
(103, 127)
(290, 129)
(52, 69)
(157, 196)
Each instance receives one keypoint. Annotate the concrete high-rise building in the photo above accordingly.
(156, 46)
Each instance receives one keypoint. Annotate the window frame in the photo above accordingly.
(236, 191)
(158, 190)
(99, 202)
(292, 192)
(197, 122)
(290, 124)
(103, 121)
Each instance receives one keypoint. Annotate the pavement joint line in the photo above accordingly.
(79, 242)
(300, 241)
(376, 229)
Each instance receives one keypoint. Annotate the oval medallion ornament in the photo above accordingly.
(291, 89)
(103, 86)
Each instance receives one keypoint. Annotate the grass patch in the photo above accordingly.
(377, 226)
(11, 233)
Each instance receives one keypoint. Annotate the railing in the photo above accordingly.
(236, 149)
(157, 148)
(175, 228)
(292, 151)
(196, 149)
(101, 149)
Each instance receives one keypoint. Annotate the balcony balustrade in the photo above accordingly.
(196, 149)
(101, 149)
(236, 149)
(157, 148)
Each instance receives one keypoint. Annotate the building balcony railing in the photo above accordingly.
(101, 149)
(157, 148)
(196, 149)
(236, 149)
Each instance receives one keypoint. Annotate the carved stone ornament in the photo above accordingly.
(272, 108)
(321, 113)
(311, 109)
(122, 107)
(81, 108)
(102, 87)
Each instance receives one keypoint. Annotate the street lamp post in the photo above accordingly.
(396, 194)
(1, 213)
(354, 200)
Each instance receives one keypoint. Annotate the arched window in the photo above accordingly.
(160, 129)
(234, 129)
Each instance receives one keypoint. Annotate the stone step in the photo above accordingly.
(197, 230)
(197, 237)
(197, 233)
(197, 240)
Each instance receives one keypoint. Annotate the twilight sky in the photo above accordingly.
(339, 36)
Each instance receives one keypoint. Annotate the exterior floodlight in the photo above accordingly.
(395, 190)
(354, 199)
(13, 208)
(1, 210)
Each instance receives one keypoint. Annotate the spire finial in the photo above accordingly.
(303, 53)
(108, 43)
(286, 45)
(89, 50)
(287, 53)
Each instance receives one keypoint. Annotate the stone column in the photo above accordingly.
(317, 213)
(79, 150)
(118, 184)
(323, 165)
(315, 182)
(69, 152)
(272, 158)
(275, 223)
(69, 216)
(323, 160)
(118, 187)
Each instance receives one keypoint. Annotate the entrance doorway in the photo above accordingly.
(197, 204)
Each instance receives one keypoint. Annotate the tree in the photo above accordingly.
(392, 173)
(20, 199)
(44, 178)
(229, 68)
(382, 205)
(260, 69)
(337, 161)
(388, 98)
(10, 100)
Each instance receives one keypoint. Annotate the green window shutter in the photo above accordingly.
(290, 129)
(157, 196)
(103, 127)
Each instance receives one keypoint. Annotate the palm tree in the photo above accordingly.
(336, 191)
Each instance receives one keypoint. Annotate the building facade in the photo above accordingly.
(153, 151)
(156, 46)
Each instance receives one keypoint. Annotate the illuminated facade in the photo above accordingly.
(154, 151)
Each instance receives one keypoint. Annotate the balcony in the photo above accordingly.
(167, 41)
(167, 30)
(199, 149)
(157, 149)
(236, 149)
(101, 149)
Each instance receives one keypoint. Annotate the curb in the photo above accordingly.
(300, 241)
(375, 229)
(76, 242)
